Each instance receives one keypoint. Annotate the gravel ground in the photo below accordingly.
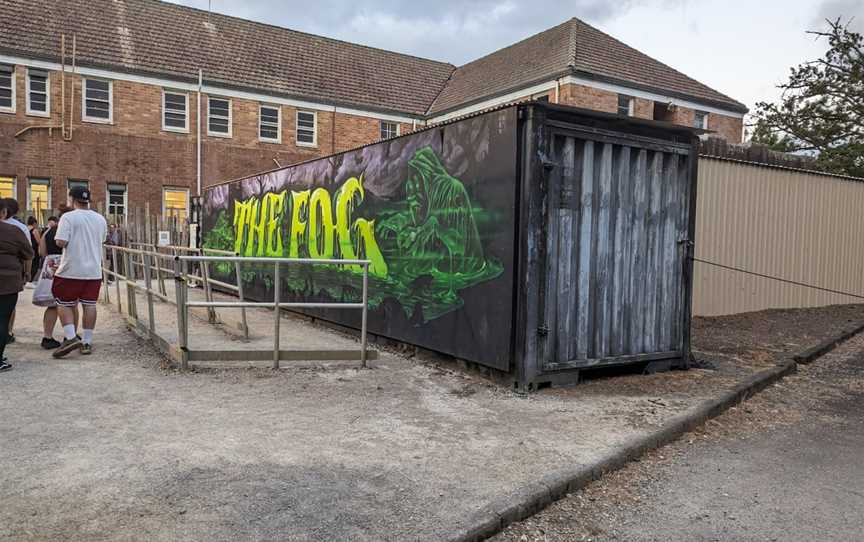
(784, 466)
(116, 447)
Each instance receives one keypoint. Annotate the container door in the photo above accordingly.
(618, 215)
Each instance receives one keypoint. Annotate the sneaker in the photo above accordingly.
(4, 366)
(68, 346)
(49, 343)
(86, 349)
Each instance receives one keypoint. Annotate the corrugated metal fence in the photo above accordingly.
(798, 225)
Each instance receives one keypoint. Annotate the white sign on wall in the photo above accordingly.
(164, 238)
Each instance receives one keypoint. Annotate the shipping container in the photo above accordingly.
(535, 240)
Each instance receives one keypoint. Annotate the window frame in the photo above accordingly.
(165, 128)
(297, 141)
(14, 180)
(166, 189)
(12, 82)
(44, 181)
(70, 182)
(125, 199)
(278, 123)
(704, 124)
(631, 105)
(30, 111)
(230, 133)
(97, 120)
(381, 124)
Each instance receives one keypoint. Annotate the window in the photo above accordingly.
(98, 101)
(307, 133)
(117, 200)
(218, 117)
(389, 129)
(175, 202)
(270, 123)
(625, 105)
(38, 93)
(7, 187)
(7, 88)
(72, 183)
(175, 106)
(38, 196)
(700, 120)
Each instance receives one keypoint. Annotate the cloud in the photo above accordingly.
(455, 31)
(848, 10)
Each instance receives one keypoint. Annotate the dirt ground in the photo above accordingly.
(783, 466)
(116, 447)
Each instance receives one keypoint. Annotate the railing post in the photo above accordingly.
(130, 289)
(160, 278)
(240, 294)
(277, 298)
(182, 313)
(208, 290)
(116, 265)
(106, 298)
(148, 283)
(364, 318)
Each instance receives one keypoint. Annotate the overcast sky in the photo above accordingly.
(740, 47)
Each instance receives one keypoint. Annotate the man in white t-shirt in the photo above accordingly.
(78, 279)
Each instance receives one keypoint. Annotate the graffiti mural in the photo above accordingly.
(433, 212)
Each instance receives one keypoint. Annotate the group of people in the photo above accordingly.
(64, 261)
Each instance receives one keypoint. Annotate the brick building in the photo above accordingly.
(125, 120)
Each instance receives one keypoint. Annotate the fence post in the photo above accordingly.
(240, 294)
(130, 290)
(208, 290)
(106, 298)
(116, 277)
(277, 298)
(148, 283)
(364, 317)
(182, 313)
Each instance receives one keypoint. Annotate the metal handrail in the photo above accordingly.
(277, 304)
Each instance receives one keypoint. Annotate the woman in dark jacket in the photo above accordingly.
(15, 257)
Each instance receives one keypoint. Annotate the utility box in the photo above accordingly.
(536, 240)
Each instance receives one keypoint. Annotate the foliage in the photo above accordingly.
(821, 109)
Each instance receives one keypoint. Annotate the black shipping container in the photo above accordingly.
(536, 240)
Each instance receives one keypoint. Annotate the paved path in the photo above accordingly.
(785, 466)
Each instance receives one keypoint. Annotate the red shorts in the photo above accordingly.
(70, 292)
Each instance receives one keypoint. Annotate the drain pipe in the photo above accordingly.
(198, 131)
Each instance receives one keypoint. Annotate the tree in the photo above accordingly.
(821, 109)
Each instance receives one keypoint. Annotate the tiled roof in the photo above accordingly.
(148, 36)
(571, 48)
(162, 39)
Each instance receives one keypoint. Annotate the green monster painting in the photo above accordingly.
(425, 246)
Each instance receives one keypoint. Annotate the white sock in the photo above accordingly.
(87, 336)
(69, 331)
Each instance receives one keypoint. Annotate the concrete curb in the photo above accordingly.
(537, 496)
(824, 347)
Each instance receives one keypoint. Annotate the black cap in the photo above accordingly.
(80, 193)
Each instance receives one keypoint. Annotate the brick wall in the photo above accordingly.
(730, 128)
(134, 150)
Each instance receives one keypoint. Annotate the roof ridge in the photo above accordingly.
(574, 45)
(183, 7)
(646, 55)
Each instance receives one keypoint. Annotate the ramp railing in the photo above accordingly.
(277, 354)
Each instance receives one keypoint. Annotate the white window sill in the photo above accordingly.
(272, 141)
(41, 114)
(175, 130)
(220, 136)
(91, 120)
(10, 111)
(307, 145)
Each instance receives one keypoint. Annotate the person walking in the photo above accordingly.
(42, 296)
(15, 256)
(35, 238)
(81, 234)
(12, 208)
